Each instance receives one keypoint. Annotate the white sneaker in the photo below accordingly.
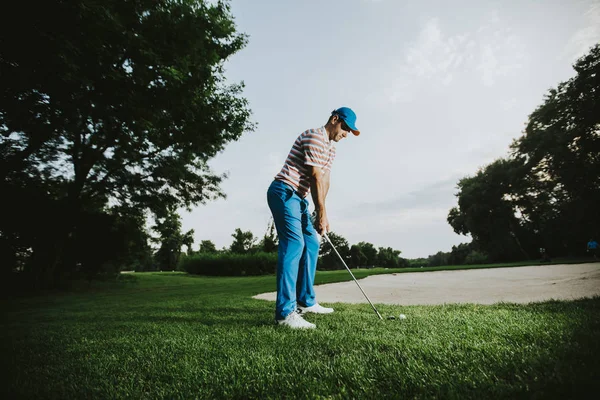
(295, 321)
(316, 309)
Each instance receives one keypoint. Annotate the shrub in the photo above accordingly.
(229, 264)
(476, 257)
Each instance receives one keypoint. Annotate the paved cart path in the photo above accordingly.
(482, 286)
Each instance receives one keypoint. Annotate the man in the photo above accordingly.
(306, 170)
(593, 247)
(544, 255)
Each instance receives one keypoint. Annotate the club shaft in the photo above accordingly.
(352, 275)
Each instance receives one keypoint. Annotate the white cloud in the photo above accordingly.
(433, 55)
(492, 52)
(501, 54)
(425, 201)
(585, 37)
(487, 66)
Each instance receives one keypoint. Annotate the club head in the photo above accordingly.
(391, 317)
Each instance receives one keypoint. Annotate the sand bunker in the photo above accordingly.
(482, 286)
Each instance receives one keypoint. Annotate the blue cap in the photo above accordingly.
(349, 117)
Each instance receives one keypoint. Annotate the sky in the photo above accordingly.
(440, 90)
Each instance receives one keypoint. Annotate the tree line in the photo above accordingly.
(545, 196)
(360, 255)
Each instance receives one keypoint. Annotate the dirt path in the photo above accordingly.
(483, 286)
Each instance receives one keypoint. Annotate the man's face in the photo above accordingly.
(341, 129)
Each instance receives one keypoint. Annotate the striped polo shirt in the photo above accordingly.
(312, 147)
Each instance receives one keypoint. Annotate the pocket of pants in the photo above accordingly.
(281, 192)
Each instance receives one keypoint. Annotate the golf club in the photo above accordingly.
(351, 274)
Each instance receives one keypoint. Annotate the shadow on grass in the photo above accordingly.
(21, 285)
(572, 370)
(230, 317)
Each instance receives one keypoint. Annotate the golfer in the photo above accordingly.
(593, 248)
(306, 170)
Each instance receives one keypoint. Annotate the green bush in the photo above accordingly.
(476, 257)
(229, 264)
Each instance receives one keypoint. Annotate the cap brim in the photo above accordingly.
(352, 127)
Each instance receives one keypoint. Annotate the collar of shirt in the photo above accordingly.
(328, 141)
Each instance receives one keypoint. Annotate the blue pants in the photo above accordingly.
(298, 249)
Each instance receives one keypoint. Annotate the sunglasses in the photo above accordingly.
(345, 126)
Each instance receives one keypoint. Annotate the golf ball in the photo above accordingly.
(402, 316)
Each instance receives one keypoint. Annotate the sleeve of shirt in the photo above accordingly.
(314, 149)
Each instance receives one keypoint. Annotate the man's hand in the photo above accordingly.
(320, 222)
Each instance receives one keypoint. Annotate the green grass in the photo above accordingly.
(169, 335)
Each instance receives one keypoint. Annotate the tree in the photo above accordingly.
(561, 151)
(487, 210)
(388, 257)
(269, 242)
(107, 243)
(459, 253)
(171, 240)
(546, 194)
(369, 251)
(207, 246)
(242, 241)
(357, 257)
(327, 257)
(438, 259)
(120, 107)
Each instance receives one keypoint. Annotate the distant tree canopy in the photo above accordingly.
(270, 241)
(362, 254)
(547, 193)
(370, 253)
(243, 242)
(486, 210)
(109, 107)
(389, 258)
(171, 239)
(207, 246)
(328, 259)
(357, 257)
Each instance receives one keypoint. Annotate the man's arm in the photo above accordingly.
(326, 174)
(319, 186)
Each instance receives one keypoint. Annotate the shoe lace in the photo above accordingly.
(297, 314)
(298, 318)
